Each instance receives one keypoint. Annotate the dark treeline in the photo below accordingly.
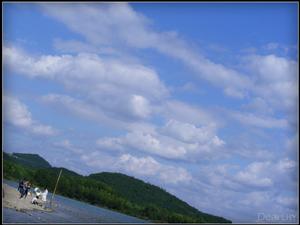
(139, 192)
(110, 190)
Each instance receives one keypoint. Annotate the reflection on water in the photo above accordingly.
(67, 211)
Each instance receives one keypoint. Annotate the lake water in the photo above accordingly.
(67, 211)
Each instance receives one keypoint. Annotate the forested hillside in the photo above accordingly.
(139, 192)
(111, 190)
(31, 160)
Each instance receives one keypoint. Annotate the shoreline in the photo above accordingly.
(70, 211)
(11, 200)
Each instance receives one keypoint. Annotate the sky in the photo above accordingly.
(200, 99)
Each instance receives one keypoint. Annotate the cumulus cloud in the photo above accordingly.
(175, 140)
(267, 173)
(142, 167)
(276, 80)
(275, 85)
(119, 25)
(146, 142)
(190, 133)
(214, 186)
(110, 143)
(251, 176)
(140, 106)
(125, 91)
(149, 166)
(83, 109)
(273, 177)
(17, 114)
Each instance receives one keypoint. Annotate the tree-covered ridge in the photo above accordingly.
(32, 160)
(139, 192)
(111, 190)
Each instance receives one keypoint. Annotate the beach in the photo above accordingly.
(11, 199)
(65, 210)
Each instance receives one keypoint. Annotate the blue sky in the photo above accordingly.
(198, 98)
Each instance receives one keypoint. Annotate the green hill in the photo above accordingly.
(111, 190)
(139, 192)
(30, 160)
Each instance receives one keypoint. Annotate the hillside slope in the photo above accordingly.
(25, 159)
(111, 190)
(139, 192)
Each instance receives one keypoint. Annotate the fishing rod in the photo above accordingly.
(55, 188)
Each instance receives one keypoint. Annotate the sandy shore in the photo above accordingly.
(11, 200)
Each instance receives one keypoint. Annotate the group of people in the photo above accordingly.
(23, 188)
(37, 194)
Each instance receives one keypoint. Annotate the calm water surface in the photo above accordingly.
(67, 211)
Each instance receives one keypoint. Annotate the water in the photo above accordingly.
(67, 211)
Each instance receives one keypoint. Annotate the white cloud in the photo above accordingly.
(98, 160)
(46, 66)
(82, 109)
(276, 80)
(218, 184)
(145, 167)
(176, 140)
(74, 46)
(150, 167)
(250, 151)
(259, 121)
(17, 114)
(259, 176)
(186, 113)
(259, 106)
(125, 91)
(270, 78)
(286, 164)
(271, 81)
(251, 176)
(119, 25)
(67, 145)
(187, 132)
(140, 106)
(267, 173)
(107, 143)
(146, 142)
(100, 75)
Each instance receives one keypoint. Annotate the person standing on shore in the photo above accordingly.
(21, 188)
(21, 185)
(44, 197)
(27, 188)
